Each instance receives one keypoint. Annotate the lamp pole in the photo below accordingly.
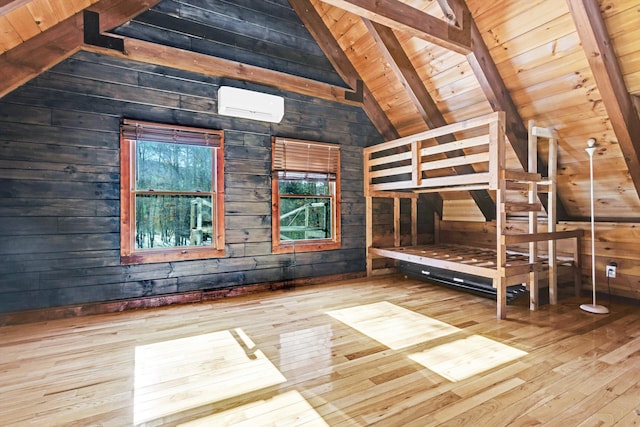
(593, 307)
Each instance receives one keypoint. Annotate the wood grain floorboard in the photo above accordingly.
(280, 358)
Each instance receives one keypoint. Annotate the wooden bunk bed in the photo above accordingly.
(405, 167)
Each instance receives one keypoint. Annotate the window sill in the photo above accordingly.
(299, 246)
(163, 255)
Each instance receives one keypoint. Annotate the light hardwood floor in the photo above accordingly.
(388, 351)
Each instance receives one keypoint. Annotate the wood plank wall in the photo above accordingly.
(266, 34)
(383, 225)
(59, 184)
(615, 242)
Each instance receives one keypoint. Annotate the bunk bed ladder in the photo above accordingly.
(533, 184)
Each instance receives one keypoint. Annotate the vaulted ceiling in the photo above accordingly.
(573, 65)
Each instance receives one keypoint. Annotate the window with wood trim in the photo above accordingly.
(306, 195)
(171, 193)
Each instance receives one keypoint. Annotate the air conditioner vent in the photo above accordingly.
(251, 105)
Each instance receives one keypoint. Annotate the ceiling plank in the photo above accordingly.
(609, 79)
(315, 25)
(400, 16)
(40, 53)
(404, 70)
(50, 47)
(341, 63)
(491, 83)
(343, 66)
(153, 53)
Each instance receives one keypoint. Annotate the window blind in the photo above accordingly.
(134, 130)
(297, 159)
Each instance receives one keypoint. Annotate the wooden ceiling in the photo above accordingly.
(21, 20)
(573, 65)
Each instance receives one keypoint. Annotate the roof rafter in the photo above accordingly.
(616, 99)
(57, 43)
(341, 63)
(327, 43)
(498, 95)
(407, 74)
(7, 6)
(636, 103)
(400, 16)
(343, 66)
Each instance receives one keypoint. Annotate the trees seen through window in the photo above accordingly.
(171, 204)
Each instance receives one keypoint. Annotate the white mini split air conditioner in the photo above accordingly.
(248, 104)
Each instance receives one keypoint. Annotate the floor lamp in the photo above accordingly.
(593, 308)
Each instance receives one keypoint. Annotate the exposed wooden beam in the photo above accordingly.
(7, 6)
(449, 14)
(398, 15)
(315, 25)
(64, 39)
(93, 35)
(491, 83)
(343, 66)
(636, 103)
(397, 58)
(378, 117)
(153, 53)
(454, 13)
(116, 12)
(609, 79)
(341, 63)
(395, 55)
(38, 54)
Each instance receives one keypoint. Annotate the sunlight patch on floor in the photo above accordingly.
(287, 409)
(176, 375)
(466, 357)
(303, 347)
(391, 325)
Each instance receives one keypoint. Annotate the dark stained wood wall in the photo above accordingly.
(59, 184)
(265, 33)
(383, 225)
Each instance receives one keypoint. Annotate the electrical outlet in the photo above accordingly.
(611, 270)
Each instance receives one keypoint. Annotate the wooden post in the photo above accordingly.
(368, 214)
(533, 217)
(416, 171)
(551, 219)
(396, 221)
(495, 169)
(414, 221)
(577, 265)
(368, 232)
(496, 135)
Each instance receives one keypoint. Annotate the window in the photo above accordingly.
(306, 196)
(171, 193)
